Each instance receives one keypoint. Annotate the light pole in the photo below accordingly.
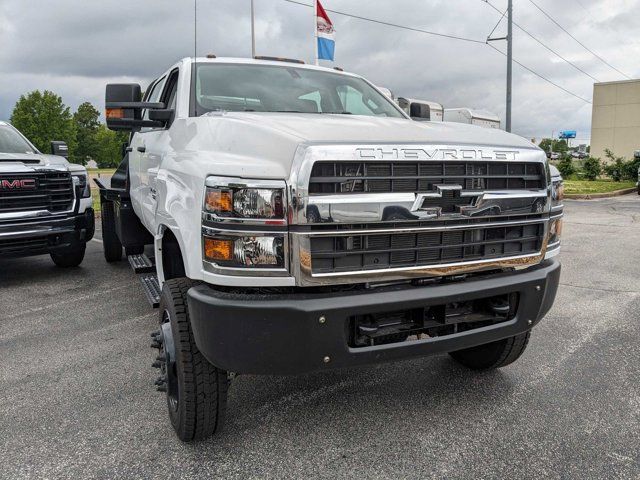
(253, 32)
(509, 63)
(509, 39)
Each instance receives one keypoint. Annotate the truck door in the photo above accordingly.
(155, 142)
(137, 177)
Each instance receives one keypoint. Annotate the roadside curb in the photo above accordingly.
(592, 196)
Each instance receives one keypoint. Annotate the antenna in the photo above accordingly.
(195, 29)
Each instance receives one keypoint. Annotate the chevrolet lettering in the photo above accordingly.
(443, 153)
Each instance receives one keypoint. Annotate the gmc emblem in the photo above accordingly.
(18, 184)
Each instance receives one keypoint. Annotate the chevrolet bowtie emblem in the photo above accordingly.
(424, 202)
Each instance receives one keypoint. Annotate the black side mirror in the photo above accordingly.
(60, 149)
(124, 107)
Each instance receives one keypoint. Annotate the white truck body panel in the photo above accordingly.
(436, 109)
(480, 118)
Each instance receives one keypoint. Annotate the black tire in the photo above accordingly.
(199, 410)
(138, 249)
(70, 256)
(493, 355)
(110, 240)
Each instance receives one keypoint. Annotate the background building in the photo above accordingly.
(615, 120)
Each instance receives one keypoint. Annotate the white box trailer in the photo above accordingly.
(482, 118)
(421, 109)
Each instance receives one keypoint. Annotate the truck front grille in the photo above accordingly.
(372, 251)
(386, 177)
(53, 191)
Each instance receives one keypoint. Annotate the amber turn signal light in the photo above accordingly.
(219, 200)
(114, 113)
(217, 249)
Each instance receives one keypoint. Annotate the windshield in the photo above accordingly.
(12, 142)
(271, 88)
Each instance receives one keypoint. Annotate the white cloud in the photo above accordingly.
(75, 47)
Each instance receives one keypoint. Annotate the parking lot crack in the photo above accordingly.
(585, 287)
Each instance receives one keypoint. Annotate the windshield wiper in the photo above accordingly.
(340, 113)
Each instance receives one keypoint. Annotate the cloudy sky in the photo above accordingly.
(75, 47)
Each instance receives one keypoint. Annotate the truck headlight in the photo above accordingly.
(236, 199)
(264, 251)
(557, 191)
(82, 182)
(555, 230)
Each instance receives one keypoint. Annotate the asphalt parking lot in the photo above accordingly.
(78, 401)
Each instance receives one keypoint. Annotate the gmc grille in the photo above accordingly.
(53, 192)
(332, 254)
(386, 177)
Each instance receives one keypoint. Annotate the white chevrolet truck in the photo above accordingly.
(301, 221)
(45, 201)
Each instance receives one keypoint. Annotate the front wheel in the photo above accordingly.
(196, 390)
(69, 256)
(493, 355)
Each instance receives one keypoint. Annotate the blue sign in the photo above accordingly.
(567, 134)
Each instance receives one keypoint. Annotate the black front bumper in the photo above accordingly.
(20, 238)
(283, 334)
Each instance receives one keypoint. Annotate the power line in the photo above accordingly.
(543, 77)
(389, 24)
(454, 37)
(544, 45)
(494, 28)
(579, 42)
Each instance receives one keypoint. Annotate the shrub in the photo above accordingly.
(630, 169)
(615, 170)
(615, 167)
(591, 168)
(566, 167)
(620, 169)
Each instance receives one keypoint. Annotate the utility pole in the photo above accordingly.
(509, 39)
(253, 32)
(509, 62)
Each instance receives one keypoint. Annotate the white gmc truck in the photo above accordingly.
(301, 221)
(45, 201)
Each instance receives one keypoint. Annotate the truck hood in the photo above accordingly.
(350, 129)
(263, 145)
(29, 162)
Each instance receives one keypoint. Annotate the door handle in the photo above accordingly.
(142, 149)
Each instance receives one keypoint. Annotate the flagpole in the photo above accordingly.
(253, 32)
(315, 30)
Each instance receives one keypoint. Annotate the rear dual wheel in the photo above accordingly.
(110, 241)
(196, 390)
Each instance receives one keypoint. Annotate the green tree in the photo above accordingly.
(108, 149)
(43, 117)
(86, 124)
(559, 146)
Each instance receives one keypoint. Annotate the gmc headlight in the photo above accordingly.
(82, 182)
(261, 201)
(253, 251)
(557, 192)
